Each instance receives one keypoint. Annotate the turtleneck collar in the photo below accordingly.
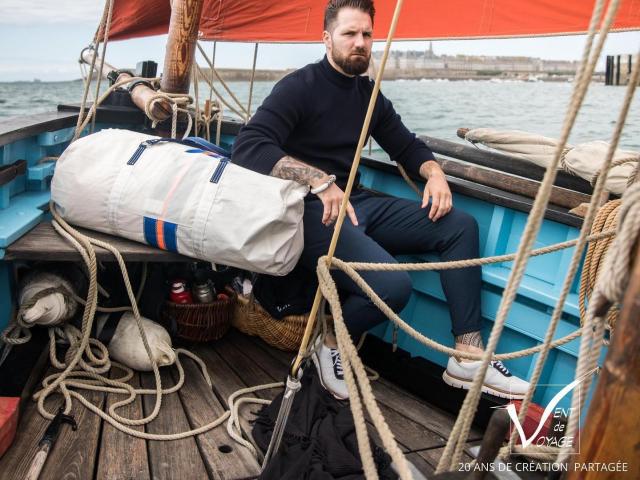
(334, 75)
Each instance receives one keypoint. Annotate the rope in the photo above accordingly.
(607, 218)
(473, 262)
(87, 83)
(194, 72)
(87, 359)
(105, 41)
(81, 125)
(253, 75)
(454, 449)
(224, 84)
(356, 379)
(614, 279)
(220, 97)
(174, 99)
(617, 163)
(233, 423)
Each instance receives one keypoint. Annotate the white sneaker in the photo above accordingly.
(329, 367)
(498, 381)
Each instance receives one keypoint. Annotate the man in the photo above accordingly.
(307, 130)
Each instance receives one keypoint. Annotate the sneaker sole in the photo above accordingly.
(316, 363)
(466, 385)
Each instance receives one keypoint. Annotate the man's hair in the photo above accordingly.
(334, 6)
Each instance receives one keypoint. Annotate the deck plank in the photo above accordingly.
(224, 459)
(15, 463)
(432, 457)
(123, 456)
(410, 435)
(415, 410)
(230, 371)
(176, 458)
(75, 452)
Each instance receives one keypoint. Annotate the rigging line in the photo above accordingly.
(610, 268)
(194, 72)
(213, 63)
(221, 80)
(454, 448)
(94, 46)
(253, 75)
(104, 53)
(220, 97)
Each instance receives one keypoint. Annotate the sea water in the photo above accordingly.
(432, 107)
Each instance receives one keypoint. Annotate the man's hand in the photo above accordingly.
(290, 168)
(331, 198)
(437, 189)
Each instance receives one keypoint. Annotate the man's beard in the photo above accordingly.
(352, 65)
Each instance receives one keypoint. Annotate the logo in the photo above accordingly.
(557, 437)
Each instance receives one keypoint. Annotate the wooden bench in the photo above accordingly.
(44, 243)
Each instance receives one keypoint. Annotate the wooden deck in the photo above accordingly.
(97, 450)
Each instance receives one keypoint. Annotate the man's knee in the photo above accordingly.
(396, 290)
(465, 223)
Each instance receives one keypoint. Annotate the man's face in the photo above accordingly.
(349, 42)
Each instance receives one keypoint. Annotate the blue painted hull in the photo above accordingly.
(500, 231)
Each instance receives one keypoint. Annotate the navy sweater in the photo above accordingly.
(315, 114)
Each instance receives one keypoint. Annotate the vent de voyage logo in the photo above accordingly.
(557, 437)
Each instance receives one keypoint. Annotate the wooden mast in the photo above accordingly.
(611, 434)
(181, 45)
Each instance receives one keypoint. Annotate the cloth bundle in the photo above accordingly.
(126, 344)
(584, 160)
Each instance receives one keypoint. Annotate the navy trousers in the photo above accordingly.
(391, 226)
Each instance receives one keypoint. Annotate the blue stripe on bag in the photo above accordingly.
(150, 231)
(170, 238)
(219, 170)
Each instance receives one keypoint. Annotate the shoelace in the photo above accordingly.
(337, 364)
(498, 365)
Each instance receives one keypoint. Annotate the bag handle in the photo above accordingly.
(195, 142)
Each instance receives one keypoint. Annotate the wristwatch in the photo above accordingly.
(321, 188)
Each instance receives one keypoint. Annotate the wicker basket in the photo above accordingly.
(202, 322)
(285, 334)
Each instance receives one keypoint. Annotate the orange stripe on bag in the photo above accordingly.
(160, 234)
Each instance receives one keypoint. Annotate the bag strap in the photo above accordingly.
(195, 142)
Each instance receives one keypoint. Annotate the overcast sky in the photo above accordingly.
(43, 39)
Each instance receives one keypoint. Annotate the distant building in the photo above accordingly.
(414, 64)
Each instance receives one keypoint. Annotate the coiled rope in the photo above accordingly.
(87, 360)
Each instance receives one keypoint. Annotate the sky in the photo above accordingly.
(42, 39)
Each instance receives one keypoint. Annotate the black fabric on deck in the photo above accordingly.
(289, 295)
(319, 442)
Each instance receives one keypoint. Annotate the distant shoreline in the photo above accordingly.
(264, 75)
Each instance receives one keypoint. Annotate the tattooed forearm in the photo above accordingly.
(473, 339)
(289, 168)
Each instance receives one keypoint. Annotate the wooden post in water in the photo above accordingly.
(611, 434)
(181, 45)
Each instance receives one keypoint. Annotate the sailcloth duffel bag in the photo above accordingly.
(179, 198)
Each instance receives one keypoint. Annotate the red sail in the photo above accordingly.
(301, 20)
